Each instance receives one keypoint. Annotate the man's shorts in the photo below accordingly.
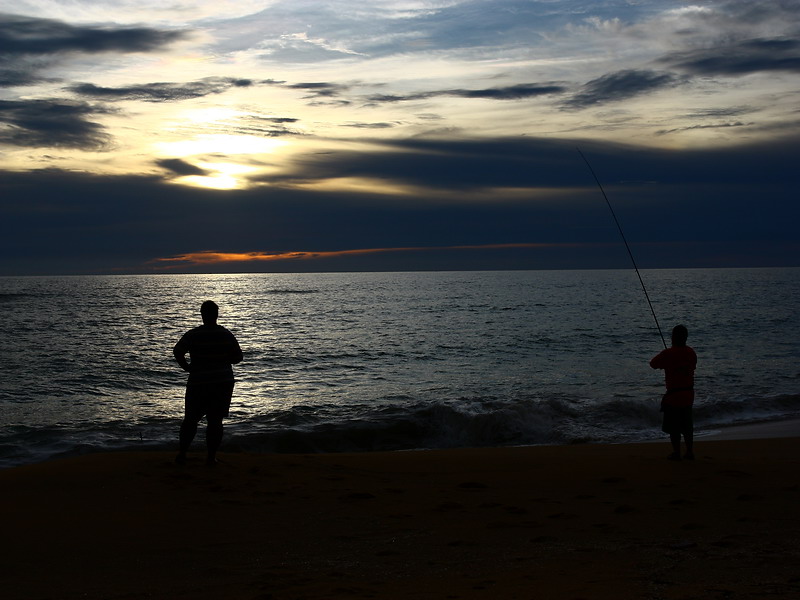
(678, 420)
(209, 399)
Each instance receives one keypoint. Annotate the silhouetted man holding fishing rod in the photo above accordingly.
(212, 349)
(679, 363)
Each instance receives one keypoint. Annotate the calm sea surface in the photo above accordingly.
(368, 361)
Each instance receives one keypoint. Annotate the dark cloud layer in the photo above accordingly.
(543, 163)
(52, 123)
(733, 206)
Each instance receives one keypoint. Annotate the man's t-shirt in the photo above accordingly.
(679, 363)
(213, 349)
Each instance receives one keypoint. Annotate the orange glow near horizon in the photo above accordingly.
(208, 257)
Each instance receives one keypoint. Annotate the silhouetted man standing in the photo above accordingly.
(679, 363)
(212, 349)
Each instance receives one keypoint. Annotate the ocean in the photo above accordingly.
(391, 361)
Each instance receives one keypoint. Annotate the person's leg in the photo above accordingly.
(218, 409)
(687, 426)
(188, 431)
(213, 437)
(689, 439)
(675, 438)
(671, 426)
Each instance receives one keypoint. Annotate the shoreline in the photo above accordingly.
(773, 428)
(595, 521)
(781, 428)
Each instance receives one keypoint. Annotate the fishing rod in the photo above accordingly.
(627, 247)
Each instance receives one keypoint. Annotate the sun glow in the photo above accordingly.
(218, 174)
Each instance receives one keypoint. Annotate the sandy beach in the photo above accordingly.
(561, 522)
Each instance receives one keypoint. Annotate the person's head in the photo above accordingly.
(209, 311)
(679, 335)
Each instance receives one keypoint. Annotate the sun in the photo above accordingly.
(221, 176)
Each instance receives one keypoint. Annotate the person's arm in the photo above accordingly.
(180, 355)
(659, 360)
(236, 351)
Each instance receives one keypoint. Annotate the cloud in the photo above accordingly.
(440, 164)
(52, 123)
(741, 57)
(175, 12)
(320, 92)
(299, 48)
(17, 78)
(314, 32)
(520, 91)
(162, 92)
(711, 126)
(181, 167)
(320, 89)
(514, 92)
(449, 168)
(621, 85)
(254, 124)
(728, 111)
(21, 35)
(29, 45)
(380, 125)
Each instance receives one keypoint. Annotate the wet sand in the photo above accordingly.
(560, 522)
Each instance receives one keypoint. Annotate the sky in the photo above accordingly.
(201, 136)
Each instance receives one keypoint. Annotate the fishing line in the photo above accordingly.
(627, 247)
